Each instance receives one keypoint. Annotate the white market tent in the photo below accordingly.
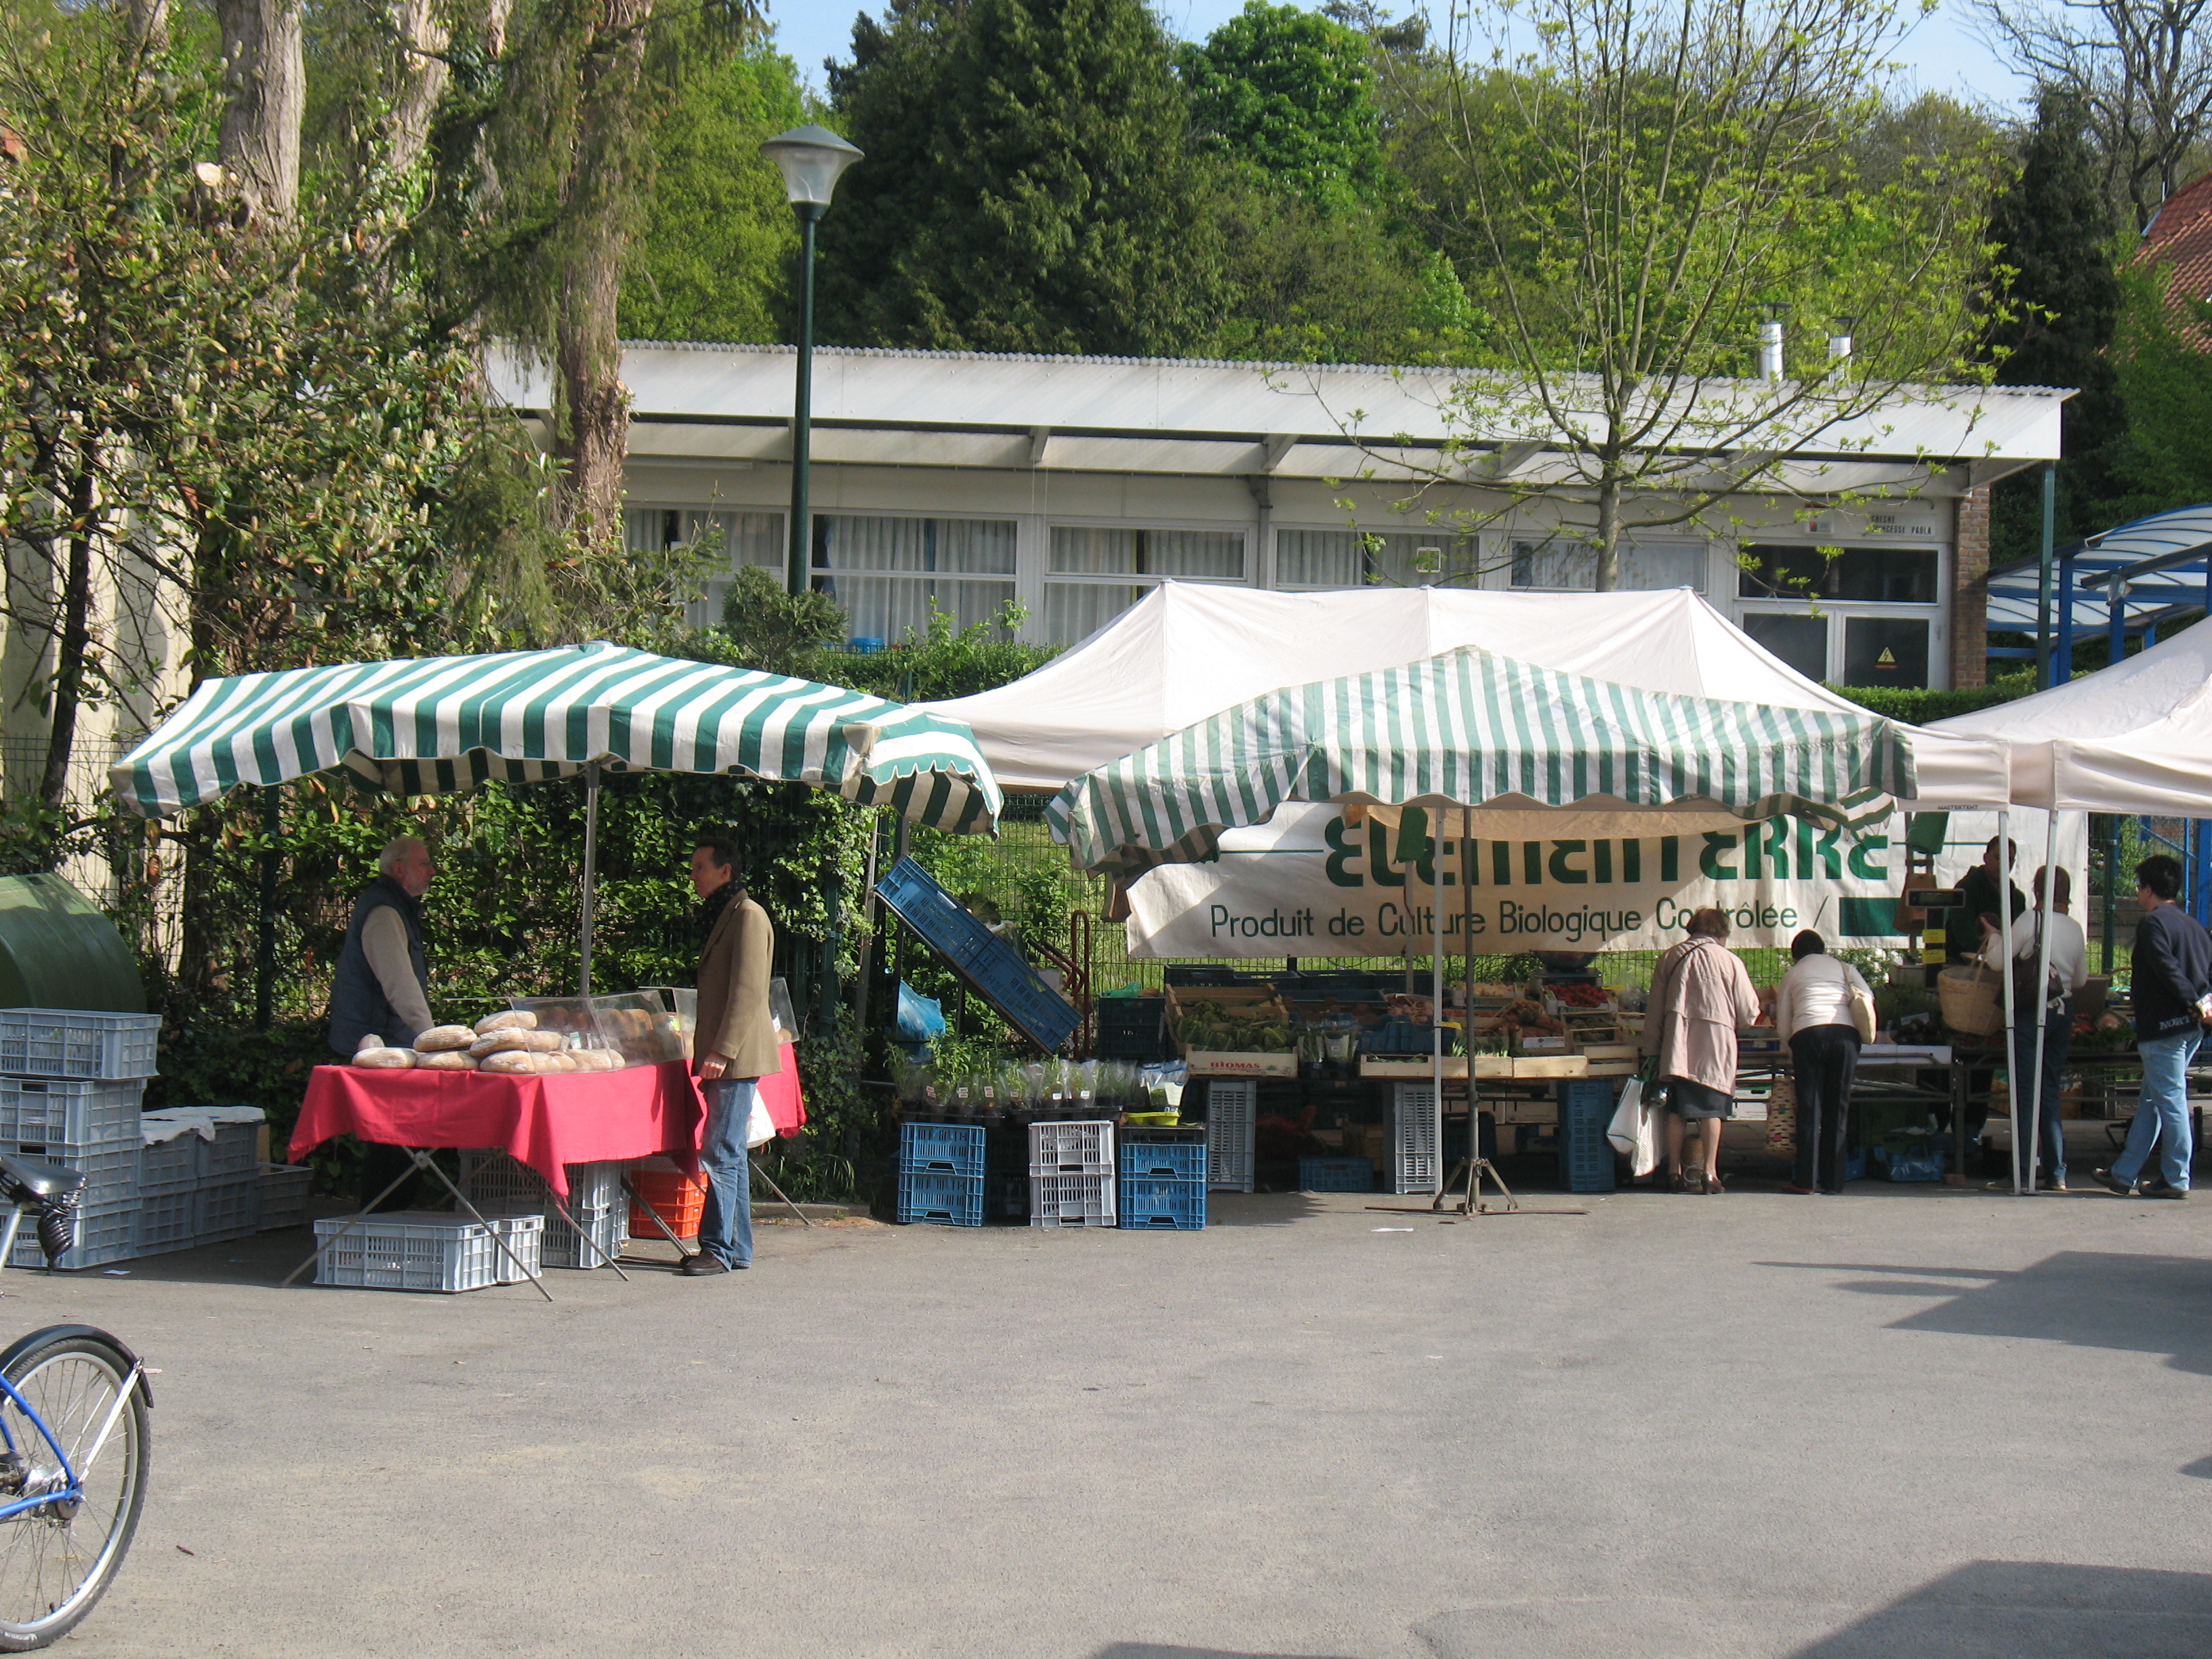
(2133, 737)
(1190, 650)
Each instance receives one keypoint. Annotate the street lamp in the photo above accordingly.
(811, 158)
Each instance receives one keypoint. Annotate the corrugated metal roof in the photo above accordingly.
(1195, 402)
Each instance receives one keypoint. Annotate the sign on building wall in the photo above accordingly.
(1311, 885)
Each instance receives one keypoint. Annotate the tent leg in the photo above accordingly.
(1436, 1004)
(590, 868)
(2011, 1014)
(2041, 1014)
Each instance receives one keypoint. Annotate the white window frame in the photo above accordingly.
(1485, 546)
(1048, 577)
(1009, 579)
(1937, 613)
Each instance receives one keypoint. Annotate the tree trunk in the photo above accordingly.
(422, 37)
(591, 427)
(149, 26)
(72, 637)
(1607, 577)
(265, 86)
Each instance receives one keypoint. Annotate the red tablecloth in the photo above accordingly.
(547, 1122)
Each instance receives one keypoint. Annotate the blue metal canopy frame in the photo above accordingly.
(2141, 577)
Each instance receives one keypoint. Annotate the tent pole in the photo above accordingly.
(2041, 1015)
(1436, 1006)
(2004, 929)
(590, 866)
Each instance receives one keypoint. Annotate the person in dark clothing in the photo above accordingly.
(381, 988)
(1817, 1011)
(2170, 974)
(1977, 897)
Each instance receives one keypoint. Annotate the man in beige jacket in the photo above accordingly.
(733, 1047)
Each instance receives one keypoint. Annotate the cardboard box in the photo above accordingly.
(1611, 1051)
(1242, 999)
(1415, 1068)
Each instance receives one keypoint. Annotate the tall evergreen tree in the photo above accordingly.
(1030, 185)
(2053, 228)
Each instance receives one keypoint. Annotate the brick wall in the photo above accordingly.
(1970, 583)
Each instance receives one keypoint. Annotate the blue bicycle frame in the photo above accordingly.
(74, 1488)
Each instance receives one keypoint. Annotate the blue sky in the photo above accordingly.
(1941, 55)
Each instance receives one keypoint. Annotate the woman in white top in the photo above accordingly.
(1812, 1014)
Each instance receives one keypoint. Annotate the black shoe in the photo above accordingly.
(2111, 1182)
(703, 1265)
(2163, 1191)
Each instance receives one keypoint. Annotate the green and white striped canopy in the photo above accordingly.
(1471, 728)
(430, 724)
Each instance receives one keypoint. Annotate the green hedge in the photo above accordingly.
(1917, 706)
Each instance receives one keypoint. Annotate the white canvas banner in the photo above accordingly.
(1309, 885)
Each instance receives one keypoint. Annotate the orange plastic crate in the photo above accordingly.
(677, 1199)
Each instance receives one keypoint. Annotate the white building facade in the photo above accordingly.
(1072, 485)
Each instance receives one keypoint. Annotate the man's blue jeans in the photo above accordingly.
(2162, 1110)
(725, 1218)
(2058, 1039)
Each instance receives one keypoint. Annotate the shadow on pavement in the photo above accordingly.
(2027, 1609)
(2158, 1305)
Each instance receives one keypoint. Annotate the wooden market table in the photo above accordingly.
(546, 1123)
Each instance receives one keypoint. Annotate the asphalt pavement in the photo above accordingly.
(1906, 1421)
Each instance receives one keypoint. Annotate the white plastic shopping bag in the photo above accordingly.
(1634, 1131)
(760, 1128)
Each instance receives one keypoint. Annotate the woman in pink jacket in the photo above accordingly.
(1701, 997)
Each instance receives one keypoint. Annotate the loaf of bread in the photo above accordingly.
(508, 1040)
(509, 1062)
(446, 1059)
(513, 1019)
(384, 1059)
(439, 1038)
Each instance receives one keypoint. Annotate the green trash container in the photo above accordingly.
(57, 950)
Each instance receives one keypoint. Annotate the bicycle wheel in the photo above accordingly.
(55, 1560)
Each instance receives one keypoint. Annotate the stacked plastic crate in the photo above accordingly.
(72, 1084)
(940, 1174)
(1586, 1156)
(1416, 1166)
(1071, 1174)
(1233, 1115)
(665, 1191)
(1162, 1185)
(199, 1181)
(426, 1250)
(499, 1184)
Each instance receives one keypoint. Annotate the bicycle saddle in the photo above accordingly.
(39, 1178)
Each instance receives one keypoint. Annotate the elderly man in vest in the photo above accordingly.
(732, 1049)
(381, 988)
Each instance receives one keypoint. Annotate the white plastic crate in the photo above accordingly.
(165, 1221)
(223, 1141)
(425, 1251)
(284, 1190)
(497, 1176)
(1415, 1167)
(72, 1110)
(169, 1166)
(1071, 1200)
(106, 1233)
(71, 1043)
(607, 1226)
(229, 1206)
(1072, 1148)
(1232, 1110)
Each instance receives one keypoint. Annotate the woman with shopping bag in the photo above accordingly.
(1701, 997)
(1823, 1010)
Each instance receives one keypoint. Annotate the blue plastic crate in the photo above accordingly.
(1398, 1037)
(1586, 1156)
(1132, 1028)
(941, 1149)
(1176, 1161)
(1162, 1206)
(979, 956)
(1336, 1175)
(940, 1200)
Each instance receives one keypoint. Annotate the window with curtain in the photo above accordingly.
(889, 572)
(1093, 556)
(1347, 558)
(744, 539)
(1572, 566)
(1894, 574)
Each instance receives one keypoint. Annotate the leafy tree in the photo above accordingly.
(1288, 91)
(2053, 228)
(1030, 185)
(2163, 374)
(1641, 186)
(710, 263)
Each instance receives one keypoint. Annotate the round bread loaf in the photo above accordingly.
(511, 1020)
(441, 1037)
(446, 1059)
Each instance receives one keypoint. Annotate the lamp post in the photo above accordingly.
(811, 158)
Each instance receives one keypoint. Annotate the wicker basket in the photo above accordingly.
(1972, 999)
